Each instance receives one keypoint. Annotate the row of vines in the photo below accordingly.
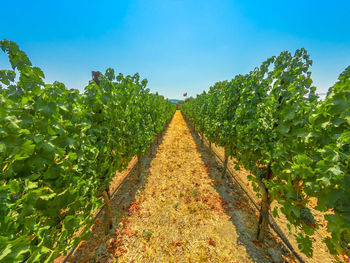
(60, 149)
(296, 146)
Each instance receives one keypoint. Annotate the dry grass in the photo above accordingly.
(178, 217)
(180, 210)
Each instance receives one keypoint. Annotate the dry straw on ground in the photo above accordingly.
(180, 210)
(179, 216)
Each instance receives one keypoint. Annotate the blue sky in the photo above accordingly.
(179, 46)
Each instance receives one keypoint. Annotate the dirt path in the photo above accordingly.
(180, 210)
(179, 216)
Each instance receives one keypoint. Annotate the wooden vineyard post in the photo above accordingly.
(163, 131)
(139, 165)
(158, 137)
(95, 76)
(108, 222)
(265, 208)
(225, 162)
(209, 147)
(151, 146)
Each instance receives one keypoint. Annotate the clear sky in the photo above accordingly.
(179, 46)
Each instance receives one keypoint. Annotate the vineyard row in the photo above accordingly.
(295, 146)
(60, 149)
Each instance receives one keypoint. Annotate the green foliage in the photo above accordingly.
(59, 149)
(270, 120)
(326, 162)
(306, 215)
(304, 244)
(147, 234)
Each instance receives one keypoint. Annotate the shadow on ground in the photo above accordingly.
(242, 212)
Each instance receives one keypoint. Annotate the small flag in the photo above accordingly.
(185, 94)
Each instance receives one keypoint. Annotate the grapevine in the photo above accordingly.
(59, 150)
(295, 147)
